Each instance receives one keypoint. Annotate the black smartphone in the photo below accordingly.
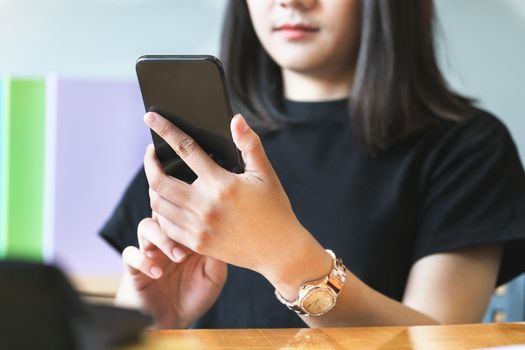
(191, 92)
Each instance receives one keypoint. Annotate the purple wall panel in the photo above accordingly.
(100, 144)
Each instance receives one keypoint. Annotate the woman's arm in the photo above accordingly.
(452, 287)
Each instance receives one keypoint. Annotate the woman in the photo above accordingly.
(360, 148)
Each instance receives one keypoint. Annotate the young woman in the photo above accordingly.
(359, 147)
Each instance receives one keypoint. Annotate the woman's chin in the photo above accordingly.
(304, 61)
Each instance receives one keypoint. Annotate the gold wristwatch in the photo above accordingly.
(319, 296)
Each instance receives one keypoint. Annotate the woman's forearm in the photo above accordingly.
(360, 305)
(357, 303)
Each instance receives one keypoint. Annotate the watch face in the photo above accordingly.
(318, 301)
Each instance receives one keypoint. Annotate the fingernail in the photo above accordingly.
(243, 127)
(177, 253)
(155, 272)
(149, 118)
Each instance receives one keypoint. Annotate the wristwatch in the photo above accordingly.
(319, 296)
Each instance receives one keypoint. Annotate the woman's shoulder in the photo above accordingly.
(482, 130)
(483, 125)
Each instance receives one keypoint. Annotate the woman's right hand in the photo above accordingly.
(170, 282)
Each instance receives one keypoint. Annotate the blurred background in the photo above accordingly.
(67, 72)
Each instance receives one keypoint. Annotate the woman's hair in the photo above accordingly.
(397, 88)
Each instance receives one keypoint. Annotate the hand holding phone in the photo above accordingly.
(191, 92)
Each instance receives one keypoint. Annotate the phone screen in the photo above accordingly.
(191, 92)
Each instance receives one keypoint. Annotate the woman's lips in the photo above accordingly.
(296, 31)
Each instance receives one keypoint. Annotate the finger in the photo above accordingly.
(149, 249)
(249, 143)
(184, 250)
(184, 145)
(177, 233)
(179, 215)
(151, 232)
(137, 262)
(162, 260)
(176, 191)
(144, 245)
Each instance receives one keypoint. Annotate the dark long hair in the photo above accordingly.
(397, 88)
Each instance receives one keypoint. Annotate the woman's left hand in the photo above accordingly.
(242, 219)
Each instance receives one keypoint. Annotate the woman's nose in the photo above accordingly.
(300, 4)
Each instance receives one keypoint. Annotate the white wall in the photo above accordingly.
(485, 45)
(485, 49)
(102, 38)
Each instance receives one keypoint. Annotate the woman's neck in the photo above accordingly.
(299, 86)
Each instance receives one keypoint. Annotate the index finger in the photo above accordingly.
(184, 145)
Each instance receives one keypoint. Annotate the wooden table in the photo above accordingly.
(470, 336)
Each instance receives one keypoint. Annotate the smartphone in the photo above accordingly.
(191, 92)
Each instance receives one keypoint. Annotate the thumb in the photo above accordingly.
(249, 143)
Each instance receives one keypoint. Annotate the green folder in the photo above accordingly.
(22, 201)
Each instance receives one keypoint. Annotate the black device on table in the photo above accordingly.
(39, 309)
(191, 92)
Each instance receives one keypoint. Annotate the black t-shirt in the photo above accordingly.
(450, 186)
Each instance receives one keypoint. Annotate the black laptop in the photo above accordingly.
(39, 309)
